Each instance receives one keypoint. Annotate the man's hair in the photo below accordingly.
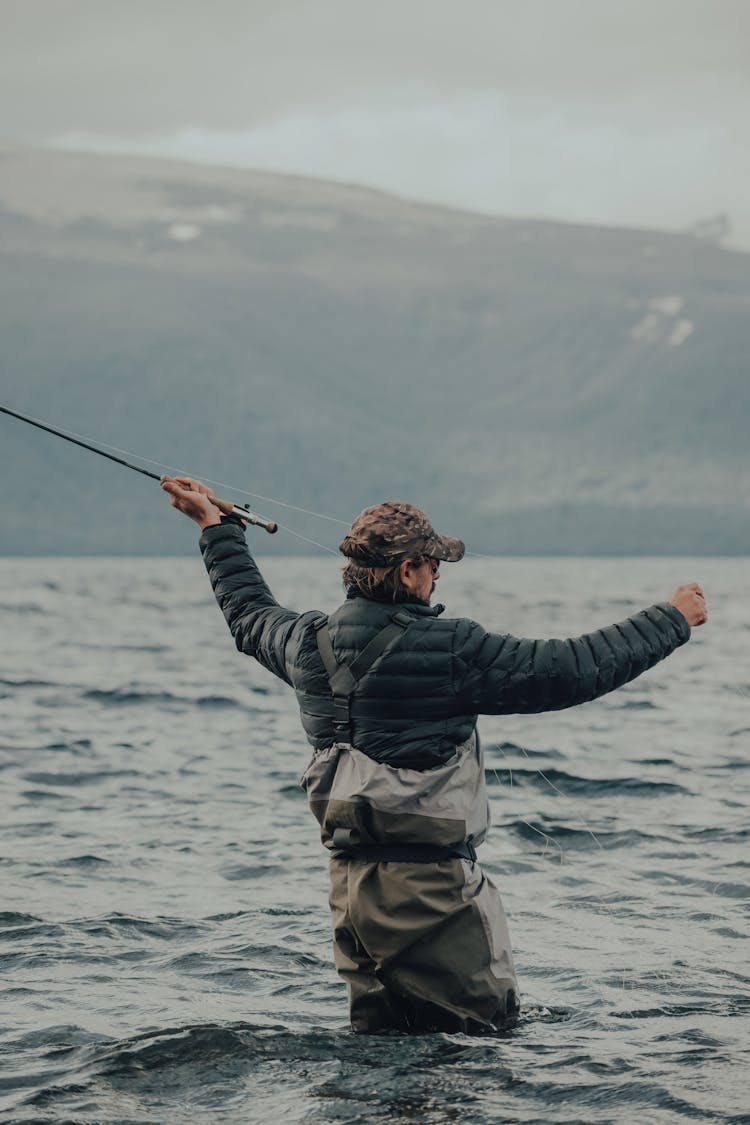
(379, 583)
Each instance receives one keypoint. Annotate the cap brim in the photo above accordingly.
(444, 548)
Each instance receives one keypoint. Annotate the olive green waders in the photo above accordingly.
(421, 946)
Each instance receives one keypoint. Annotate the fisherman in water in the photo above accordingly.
(389, 693)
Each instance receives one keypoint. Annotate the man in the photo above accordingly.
(389, 693)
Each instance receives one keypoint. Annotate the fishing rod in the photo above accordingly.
(224, 506)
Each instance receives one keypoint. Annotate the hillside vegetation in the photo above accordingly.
(536, 387)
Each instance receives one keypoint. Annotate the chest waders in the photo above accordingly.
(343, 679)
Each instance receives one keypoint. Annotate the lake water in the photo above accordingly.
(164, 932)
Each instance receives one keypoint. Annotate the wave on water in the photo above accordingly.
(246, 1071)
(578, 839)
(22, 927)
(201, 1063)
(122, 697)
(733, 1007)
(14, 918)
(26, 683)
(165, 944)
(573, 784)
(74, 746)
(92, 777)
(506, 748)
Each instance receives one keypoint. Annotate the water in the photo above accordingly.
(164, 934)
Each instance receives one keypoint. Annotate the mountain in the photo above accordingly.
(537, 387)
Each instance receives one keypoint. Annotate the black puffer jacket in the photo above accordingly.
(421, 699)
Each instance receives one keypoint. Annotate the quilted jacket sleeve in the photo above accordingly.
(499, 674)
(259, 625)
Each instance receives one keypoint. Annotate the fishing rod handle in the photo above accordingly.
(230, 509)
(227, 508)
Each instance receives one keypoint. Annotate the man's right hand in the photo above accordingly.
(691, 602)
(192, 498)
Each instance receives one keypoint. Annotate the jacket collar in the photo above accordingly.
(418, 608)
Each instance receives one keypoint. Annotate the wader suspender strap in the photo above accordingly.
(344, 678)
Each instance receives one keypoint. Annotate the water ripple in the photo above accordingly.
(164, 936)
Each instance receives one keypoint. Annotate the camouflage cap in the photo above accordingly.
(388, 533)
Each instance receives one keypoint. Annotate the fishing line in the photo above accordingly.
(549, 839)
(545, 836)
(305, 539)
(232, 488)
(100, 447)
(280, 503)
(603, 906)
(606, 852)
(173, 469)
(560, 793)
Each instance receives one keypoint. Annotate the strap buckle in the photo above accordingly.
(341, 714)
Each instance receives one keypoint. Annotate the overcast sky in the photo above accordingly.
(631, 112)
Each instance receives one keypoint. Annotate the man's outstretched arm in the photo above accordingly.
(259, 625)
(500, 674)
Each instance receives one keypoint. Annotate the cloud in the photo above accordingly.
(624, 110)
(151, 66)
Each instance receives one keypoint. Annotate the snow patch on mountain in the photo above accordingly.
(184, 232)
(680, 333)
(659, 325)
